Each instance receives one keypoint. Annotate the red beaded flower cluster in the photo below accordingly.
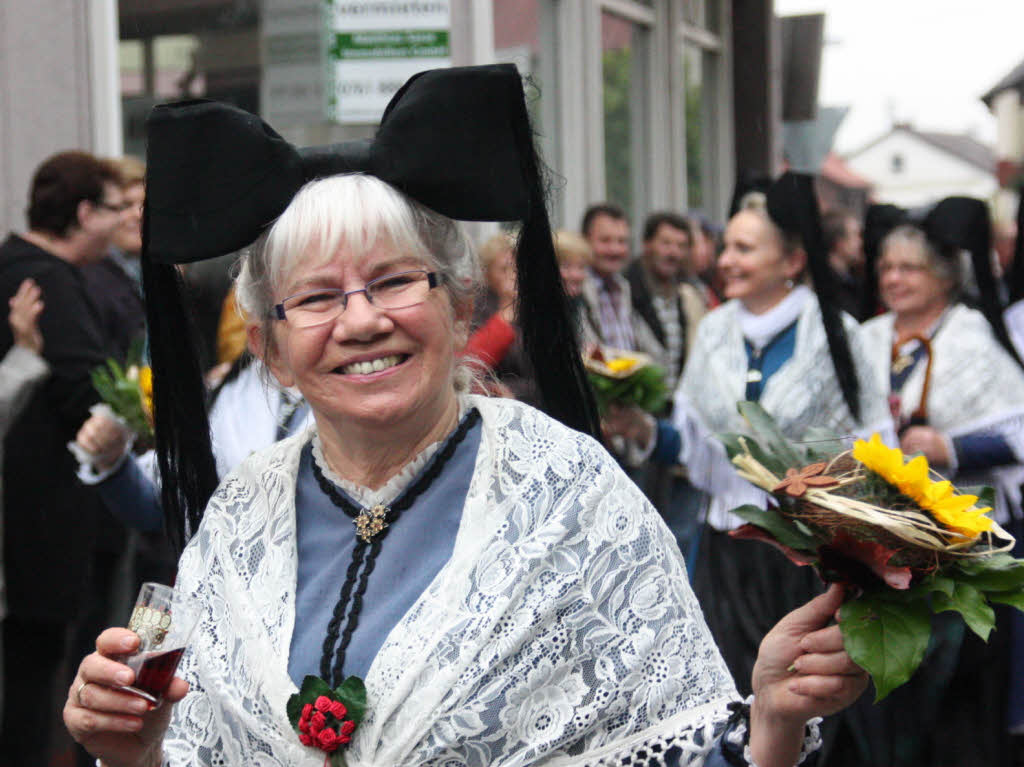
(323, 725)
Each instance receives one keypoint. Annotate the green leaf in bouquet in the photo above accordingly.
(820, 444)
(971, 604)
(998, 572)
(352, 692)
(732, 444)
(935, 583)
(986, 494)
(782, 529)
(1011, 598)
(770, 436)
(775, 463)
(887, 638)
(312, 688)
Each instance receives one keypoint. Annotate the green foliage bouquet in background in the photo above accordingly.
(904, 540)
(625, 378)
(129, 393)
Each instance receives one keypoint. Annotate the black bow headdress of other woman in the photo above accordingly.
(792, 205)
(1015, 280)
(879, 220)
(955, 224)
(952, 225)
(455, 140)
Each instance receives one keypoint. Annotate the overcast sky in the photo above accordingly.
(926, 62)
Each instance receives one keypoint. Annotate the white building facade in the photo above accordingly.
(912, 168)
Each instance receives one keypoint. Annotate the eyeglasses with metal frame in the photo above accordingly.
(400, 290)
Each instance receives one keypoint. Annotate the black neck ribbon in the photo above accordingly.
(364, 554)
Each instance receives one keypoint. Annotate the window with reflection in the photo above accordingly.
(703, 87)
(518, 39)
(693, 83)
(179, 49)
(623, 59)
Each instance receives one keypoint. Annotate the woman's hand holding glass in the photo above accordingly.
(119, 727)
(802, 671)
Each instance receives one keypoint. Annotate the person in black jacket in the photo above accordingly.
(75, 204)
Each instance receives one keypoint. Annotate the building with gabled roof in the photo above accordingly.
(912, 167)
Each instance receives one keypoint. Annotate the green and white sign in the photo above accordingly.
(374, 46)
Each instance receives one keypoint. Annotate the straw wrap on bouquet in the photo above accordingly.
(905, 539)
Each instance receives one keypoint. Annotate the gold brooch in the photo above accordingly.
(371, 521)
(901, 363)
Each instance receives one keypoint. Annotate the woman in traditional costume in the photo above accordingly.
(954, 384)
(507, 593)
(773, 342)
(957, 393)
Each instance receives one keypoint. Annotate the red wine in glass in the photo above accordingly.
(153, 672)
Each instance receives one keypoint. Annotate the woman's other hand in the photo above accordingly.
(628, 422)
(26, 306)
(928, 441)
(103, 438)
(802, 671)
(120, 728)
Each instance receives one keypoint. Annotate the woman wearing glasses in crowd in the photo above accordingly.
(778, 342)
(957, 394)
(507, 594)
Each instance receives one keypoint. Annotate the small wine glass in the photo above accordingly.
(164, 620)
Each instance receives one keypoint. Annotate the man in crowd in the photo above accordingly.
(703, 269)
(845, 244)
(668, 306)
(606, 291)
(49, 517)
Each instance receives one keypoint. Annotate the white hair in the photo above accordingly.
(354, 211)
(357, 212)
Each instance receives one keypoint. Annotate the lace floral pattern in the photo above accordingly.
(562, 630)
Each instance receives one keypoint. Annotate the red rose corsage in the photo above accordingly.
(324, 718)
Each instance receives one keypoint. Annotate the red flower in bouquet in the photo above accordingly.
(326, 719)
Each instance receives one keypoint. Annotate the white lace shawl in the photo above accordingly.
(975, 387)
(562, 630)
(803, 393)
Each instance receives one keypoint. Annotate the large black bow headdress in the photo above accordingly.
(792, 204)
(455, 140)
(963, 223)
(452, 139)
(952, 225)
(879, 220)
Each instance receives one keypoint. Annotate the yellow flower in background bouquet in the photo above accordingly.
(625, 378)
(128, 392)
(903, 539)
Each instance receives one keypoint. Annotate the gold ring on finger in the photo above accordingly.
(78, 694)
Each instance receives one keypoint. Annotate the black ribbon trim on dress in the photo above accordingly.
(332, 672)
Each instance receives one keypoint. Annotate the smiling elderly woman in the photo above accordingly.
(506, 592)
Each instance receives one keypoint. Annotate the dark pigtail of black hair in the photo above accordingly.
(838, 343)
(188, 471)
(963, 223)
(548, 333)
(793, 206)
(1016, 277)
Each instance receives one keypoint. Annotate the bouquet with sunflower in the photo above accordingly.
(128, 391)
(625, 378)
(907, 542)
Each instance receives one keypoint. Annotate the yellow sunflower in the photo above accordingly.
(956, 512)
(146, 389)
(623, 364)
